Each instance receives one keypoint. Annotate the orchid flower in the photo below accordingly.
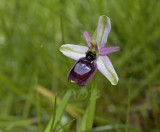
(89, 59)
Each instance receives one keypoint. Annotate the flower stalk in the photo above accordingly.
(88, 117)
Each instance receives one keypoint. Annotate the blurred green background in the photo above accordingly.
(31, 32)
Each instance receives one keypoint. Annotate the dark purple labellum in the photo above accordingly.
(83, 70)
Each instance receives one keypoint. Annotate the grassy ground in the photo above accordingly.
(32, 69)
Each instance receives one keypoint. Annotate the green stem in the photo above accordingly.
(62, 30)
(128, 109)
(87, 121)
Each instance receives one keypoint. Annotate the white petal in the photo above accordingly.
(73, 51)
(103, 29)
(106, 68)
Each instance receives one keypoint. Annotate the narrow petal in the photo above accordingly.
(106, 68)
(103, 29)
(108, 50)
(73, 51)
(87, 37)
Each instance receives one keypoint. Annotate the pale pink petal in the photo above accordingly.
(87, 37)
(108, 50)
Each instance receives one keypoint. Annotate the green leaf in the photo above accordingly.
(59, 111)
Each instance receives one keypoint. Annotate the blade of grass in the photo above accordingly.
(59, 111)
(51, 97)
(54, 113)
(38, 110)
(10, 84)
(108, 127)
(128, 108)
(73, 110)
(65, 125)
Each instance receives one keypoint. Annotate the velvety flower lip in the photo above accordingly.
(96, 48)
(85, 73)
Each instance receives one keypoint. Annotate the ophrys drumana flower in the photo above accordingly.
(93, 57)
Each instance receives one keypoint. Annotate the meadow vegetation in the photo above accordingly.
(33, 71)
